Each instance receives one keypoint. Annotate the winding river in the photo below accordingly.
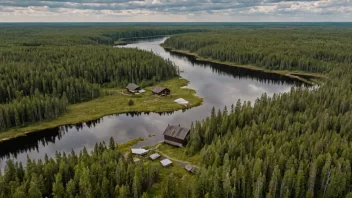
(219, 85)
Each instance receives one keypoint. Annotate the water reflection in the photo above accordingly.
(218, 84)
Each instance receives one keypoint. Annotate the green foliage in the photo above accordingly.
(294, 144)
(38, 82)
(103, 173)
(306, 49)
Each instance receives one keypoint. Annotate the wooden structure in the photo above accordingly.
(154, 156)
(133, 88)
(139, 151)
(166, 162)
(176, 136)
(190, 168)
(161, 91)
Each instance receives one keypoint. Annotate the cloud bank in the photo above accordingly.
(175, 10)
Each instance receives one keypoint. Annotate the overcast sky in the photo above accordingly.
(174, 10)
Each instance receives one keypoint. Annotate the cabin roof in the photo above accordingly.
(158, 89)
(154, 156)
(139, 151)
(190, 168)
(132, 86)
(166, 162)
(176, 132)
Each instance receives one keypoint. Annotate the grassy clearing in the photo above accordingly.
(178, 153)
(114, 103)
(299, 75)
(175, 169)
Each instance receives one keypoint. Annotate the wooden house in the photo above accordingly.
(133, 88)
(161, 91)
(176, 136)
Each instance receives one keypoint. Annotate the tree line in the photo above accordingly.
(304, 49)
(294, 144)
(105, 172)
(38, 82)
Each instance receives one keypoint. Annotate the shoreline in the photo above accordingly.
(116, 103)
(291, 74)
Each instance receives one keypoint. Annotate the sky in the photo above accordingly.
(175, 11)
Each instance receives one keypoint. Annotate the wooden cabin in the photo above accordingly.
(133, 88)
(161, 91)
(176, 136)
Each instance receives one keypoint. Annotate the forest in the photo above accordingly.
(294, 49)
(44, 69)
(294, 144)
(105, 172)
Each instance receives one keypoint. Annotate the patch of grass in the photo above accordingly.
(116, 102)
(178, 153)
(175, 169)
(125, 147)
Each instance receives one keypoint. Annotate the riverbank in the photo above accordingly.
(306, 77)
(116, 102)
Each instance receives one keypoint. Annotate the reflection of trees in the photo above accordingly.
(238, 72)
(32, 141)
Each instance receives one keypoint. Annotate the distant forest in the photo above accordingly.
(43, 69)
(311, 49)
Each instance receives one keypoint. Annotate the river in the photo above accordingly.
(219, 85)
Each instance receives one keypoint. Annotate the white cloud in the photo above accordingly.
(175, 10)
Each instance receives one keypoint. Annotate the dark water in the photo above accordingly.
(219, 85)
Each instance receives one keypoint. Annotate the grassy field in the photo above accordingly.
(113, 103)
(173, 153)
(299, 75)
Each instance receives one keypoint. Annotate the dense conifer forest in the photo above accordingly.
(295, 144)
(310, 49)
(43, 69)
(105, 172)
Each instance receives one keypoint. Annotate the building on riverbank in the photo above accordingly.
(133, 88)
(176, 135)
(161, 91)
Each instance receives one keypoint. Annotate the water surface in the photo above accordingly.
(219, 85)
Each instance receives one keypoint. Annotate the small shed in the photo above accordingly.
(154, 156)
(139, 151)
(181, 101)
(190, 168)
(133, 88)
(176, 135)
(162, 91)
(166, 162)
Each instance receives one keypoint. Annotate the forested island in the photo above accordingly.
(295, 144)
(44, 73)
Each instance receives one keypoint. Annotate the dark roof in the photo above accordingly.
(132, 86)
(158, 89)
(176, 132)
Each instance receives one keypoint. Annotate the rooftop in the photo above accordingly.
(154, 156)
(176, 132)
(158, 89)
(139, 151)
(166, 162)
(132, 86)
